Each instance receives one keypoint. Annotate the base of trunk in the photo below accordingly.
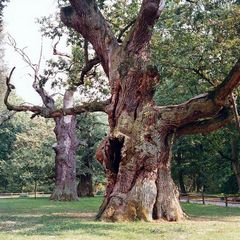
(148, 200)
(64, 195)
(167, 205)
(85, 187)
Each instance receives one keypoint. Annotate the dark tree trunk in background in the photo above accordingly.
(235, 161)
(65, 161)
(180, 174)
(35, 189)
(85, 186)
(137, 153)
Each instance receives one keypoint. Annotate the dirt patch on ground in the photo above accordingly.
(87, 216)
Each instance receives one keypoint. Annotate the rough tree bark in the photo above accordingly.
(66, 147)
(136, 154)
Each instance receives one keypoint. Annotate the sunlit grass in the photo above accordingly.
(39, 219)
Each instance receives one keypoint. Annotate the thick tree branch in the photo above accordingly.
(85, 17)
(142, 29)
(88, 67)
(227, 86)
(95, 106)
(203, 106)
(223, 118)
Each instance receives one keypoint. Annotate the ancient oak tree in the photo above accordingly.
(137, 152)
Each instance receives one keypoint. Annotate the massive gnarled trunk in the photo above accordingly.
(65, 160)
(137, 153)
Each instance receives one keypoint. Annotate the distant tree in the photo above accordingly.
(92, 128)
(8, 132)
(32, 159)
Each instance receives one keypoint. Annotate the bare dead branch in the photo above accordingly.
(94, 106)
(47, 100)
(20, 108)
(57, 52)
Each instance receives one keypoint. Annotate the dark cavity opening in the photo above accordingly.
(116, 145)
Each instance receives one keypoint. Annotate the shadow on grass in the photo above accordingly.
(51, 225)
(210, 211)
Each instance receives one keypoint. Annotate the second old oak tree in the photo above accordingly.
(137, 152)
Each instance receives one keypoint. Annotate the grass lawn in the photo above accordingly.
(31, 219)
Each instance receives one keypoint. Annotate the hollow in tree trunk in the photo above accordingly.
(65, 160)
(137, 160)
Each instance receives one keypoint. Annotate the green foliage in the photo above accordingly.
(26, 156)
(205, 161)
(195, 45)
(121, 13)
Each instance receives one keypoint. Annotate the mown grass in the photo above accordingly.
(39, 219)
